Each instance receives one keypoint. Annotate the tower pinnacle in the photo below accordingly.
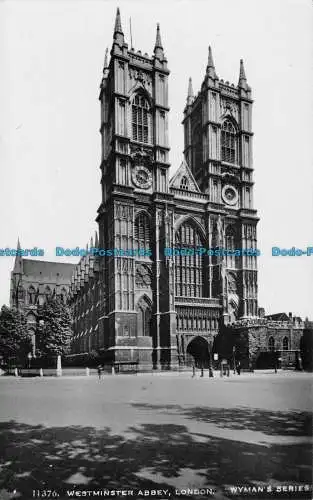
(118, 24)
(190, 94)
(105, 64)
(242, 76)
(118, 31)
(158, 48)
(210, 69)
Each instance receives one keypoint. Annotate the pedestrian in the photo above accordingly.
(193, 369)
(238, 367)
(99, 371)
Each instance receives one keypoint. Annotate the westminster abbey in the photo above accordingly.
(151, 305)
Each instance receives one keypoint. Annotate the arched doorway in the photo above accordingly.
(198, 351)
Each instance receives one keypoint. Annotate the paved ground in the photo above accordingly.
(151, 432)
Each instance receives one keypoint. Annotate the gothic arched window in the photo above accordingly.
(271, 344)
(142, 231)
(189, 268)
(230, 240)
(140, 119)
(184, 184)
(143, 318)
(285, 344)
(197, 144)
(229, 142)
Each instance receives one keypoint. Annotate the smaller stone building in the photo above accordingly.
(264, 340)
(33, 281)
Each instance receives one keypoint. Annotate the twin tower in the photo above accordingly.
(159, 308)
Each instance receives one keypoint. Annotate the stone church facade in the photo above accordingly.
(174, 261)
(157, 303)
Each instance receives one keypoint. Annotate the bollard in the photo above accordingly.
(41, 372)
(87, 372)
(59, 367)
(15, 372)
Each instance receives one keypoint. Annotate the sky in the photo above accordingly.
(51, 56)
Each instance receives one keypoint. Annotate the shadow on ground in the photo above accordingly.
(153, 456)
(291, 423)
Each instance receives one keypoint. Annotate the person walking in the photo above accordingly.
(99, 371)
(193, 369)
(238, 367)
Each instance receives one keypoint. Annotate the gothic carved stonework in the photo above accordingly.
(230, 108)
(232, 283)
(140, 76)
(123, 211)
(141, 155)
(143, 276)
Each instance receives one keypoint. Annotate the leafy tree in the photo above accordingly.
(15, 341)
(306, 347)
(54, 332)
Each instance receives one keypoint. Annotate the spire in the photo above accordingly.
(210, 69)
(242, 76)
(158, 48)
(18, 263)
(190, 94)
(118, 32)
(105, 64)
(118, 24)
(210, 59)
(158, 42)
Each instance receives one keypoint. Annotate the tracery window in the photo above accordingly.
(142, 231)
(184, 184)
(140, 119)
(271, 344)
(189, 269)
(285, 344)
(229, 142)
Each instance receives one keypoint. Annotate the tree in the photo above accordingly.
(54, 332)
(15, 341)
(306, 348)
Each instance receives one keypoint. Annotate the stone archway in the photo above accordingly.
(198, 351)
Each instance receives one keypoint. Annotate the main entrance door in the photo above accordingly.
(198, 351)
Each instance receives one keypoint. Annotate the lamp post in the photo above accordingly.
(29, 356)
(210, 360)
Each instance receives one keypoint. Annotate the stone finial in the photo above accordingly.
(190, 94)
(118, 23)
(242, 83)
(210, 69)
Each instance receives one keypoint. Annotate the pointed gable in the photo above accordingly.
(183, 179)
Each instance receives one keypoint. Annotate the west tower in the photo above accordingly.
(218, 149)
(136, 205)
